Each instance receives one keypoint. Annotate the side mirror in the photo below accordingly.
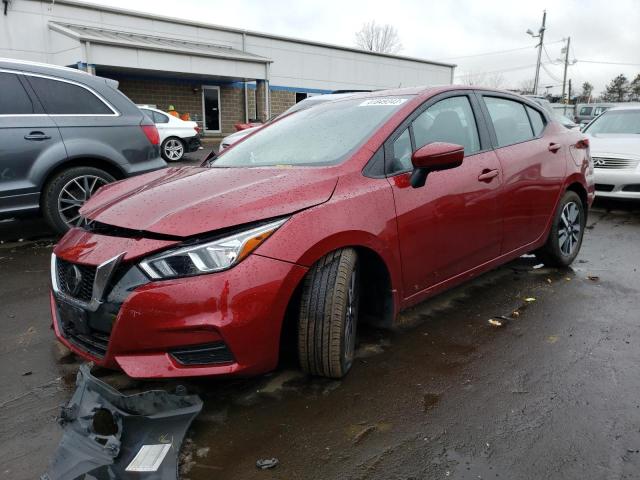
(434, 157)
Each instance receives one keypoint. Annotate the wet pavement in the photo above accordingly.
(549, 389)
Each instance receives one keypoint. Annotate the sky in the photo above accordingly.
(454, 31)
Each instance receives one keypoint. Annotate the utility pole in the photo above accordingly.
(566, 66)
(568, 98)
(540, 35)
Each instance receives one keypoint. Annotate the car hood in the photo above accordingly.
(614, 144)
(188, 201)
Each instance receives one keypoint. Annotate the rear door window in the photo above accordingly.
(14, 99)
(537, 122)
(63, 98)
(510, 121)
(160, 118)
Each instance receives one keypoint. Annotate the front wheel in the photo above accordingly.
(172, 149)
(328, 315)
(67, 192)
(565, 237)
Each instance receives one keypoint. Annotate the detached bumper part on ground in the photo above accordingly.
(109, 435)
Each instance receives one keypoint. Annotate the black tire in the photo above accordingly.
(326, 344)
(179, 153)
(556, 253)
(53, 197)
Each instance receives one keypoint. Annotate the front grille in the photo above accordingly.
(75, 324)
(95, 343)
(632, 188)
(207, 354)
(614, 163)
(603, 187)
(75, 280)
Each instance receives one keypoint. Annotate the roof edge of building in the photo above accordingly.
(151, 16)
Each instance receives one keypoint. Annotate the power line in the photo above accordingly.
(610, 63)
(551, 75)
(512, 69)
(495, 52)
(553, 62)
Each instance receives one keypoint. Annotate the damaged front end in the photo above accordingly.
(108, 435)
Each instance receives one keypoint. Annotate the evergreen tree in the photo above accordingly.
(618, 89)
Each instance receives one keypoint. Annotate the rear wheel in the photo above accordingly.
(328, 315)
(67, 191)
(172, 149)
(565, 237)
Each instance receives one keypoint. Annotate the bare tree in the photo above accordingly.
(473, 79)
(495, 80)
(378, 38)
(526, 86)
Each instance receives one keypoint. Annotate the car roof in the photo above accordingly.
(635, 106)
(65, 73)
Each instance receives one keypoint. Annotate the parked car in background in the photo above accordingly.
(615, 148)
(585, 112)
(301, 105)
(342, 213)
(566, 110)
(177, 136)
(549, 107)
(63, 135)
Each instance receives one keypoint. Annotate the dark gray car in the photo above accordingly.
(64, 134)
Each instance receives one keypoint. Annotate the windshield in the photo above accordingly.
(616, 121)
(323, 135)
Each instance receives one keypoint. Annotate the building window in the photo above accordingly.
(301, 96)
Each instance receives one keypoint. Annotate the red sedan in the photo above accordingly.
(344, 213)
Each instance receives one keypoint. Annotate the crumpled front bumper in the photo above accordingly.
(155, 329)
(109, 435)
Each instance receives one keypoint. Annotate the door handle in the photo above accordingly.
(37, 136)
(487, 175)
(554, 147)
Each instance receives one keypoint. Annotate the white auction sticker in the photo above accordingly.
(149, 458)
(383, 101)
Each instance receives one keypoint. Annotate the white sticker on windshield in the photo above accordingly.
(384, 101)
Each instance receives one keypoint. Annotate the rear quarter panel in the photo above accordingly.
(115, 138)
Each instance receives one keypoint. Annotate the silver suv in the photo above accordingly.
(63, 135)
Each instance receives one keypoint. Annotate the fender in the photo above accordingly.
(360, 215)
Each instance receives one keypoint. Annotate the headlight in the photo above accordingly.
(208, 257)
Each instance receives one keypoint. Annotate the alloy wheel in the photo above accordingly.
(173, 149)
(570, 228)
(74, 195)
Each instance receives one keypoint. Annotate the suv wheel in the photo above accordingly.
(329, 315)
(172, 149)
(565, 238)
(67, 191)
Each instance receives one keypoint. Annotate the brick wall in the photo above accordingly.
(163, 93)
(187, 97)
(231, 107)
(281, 100)
(252, 103)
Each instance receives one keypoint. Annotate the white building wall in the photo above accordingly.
(24, 34)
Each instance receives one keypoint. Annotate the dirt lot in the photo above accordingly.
(550, 394)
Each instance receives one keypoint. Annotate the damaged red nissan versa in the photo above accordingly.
(343, 213)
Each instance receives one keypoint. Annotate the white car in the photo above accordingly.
(302, 105)
(177, 137)
(614, 139)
